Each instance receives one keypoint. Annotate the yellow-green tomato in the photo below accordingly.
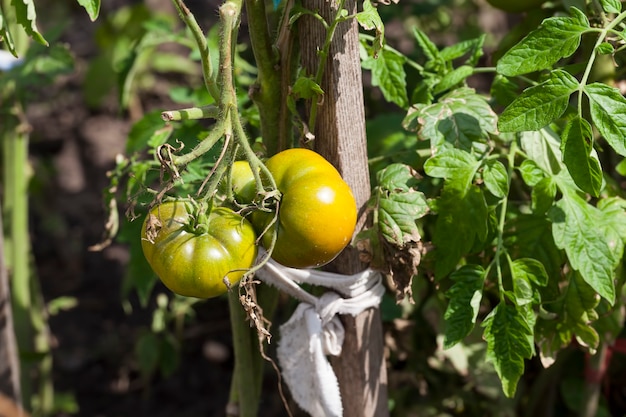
(197, 254)
(243, 182)
(317, 212)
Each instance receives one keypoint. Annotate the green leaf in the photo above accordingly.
(523, 292)
(388, 74)
(530, 236)
(460, 118)
(556, 38)
(531, 173)
(575, 229)
(39, 67)
(527, 274)
(454, 165)
(605, 48)
(543, 148)
(306, 88)
(471, 46)
(542, 195)
(584, 167)
(169, 354)
(539, 105)
(92, 7)
(26, 16)
(399, 205)
(572, 316)
(504, 90)
(397, 177)
(369, 19)
(461, 222)
(397, 214)
(496, 178)
(608, 112)
(509, 342)
(143, 132)
(579, 305)
(147, 352)
(5, 34)
(465, 296)
(581, 300)
(453, 78)
(611, 6)
(613, 223)
(139, 275)
(428, 48)
(531, 270)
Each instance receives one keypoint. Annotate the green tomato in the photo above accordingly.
(197, 254)
(243, 183)
(316, 214)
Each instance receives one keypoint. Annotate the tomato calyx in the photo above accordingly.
(199, 217)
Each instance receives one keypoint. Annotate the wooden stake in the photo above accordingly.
(340, 138)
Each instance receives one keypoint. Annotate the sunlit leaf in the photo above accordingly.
(496, 178)
(583, 166)
(556, 38)
(388, 74)
(460, 118)
(26, 16)
(539, 105)
(92, 7)
(575, 229)
(608, 112)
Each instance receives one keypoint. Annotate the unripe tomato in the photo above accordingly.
(316, 214)
(243, 184)
(516, 6)
(192, 253)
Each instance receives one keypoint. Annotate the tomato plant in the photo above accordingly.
(196, 254)
(316, 213)
(498, 199)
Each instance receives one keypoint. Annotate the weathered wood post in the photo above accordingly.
(340, 137)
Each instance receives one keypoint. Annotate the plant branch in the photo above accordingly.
(500, 249)
(205, 55)
(245, 383)
(267, 91)
(602, 35)
(216, 133)
(229, 15)
(192, 113)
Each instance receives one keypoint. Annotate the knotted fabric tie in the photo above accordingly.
(315, 331)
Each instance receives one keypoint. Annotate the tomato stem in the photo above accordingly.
(205, 54)
(268, 91)
(203, 147)
(224, 160)
(191, 113)
(500, 248)
(246, 383)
